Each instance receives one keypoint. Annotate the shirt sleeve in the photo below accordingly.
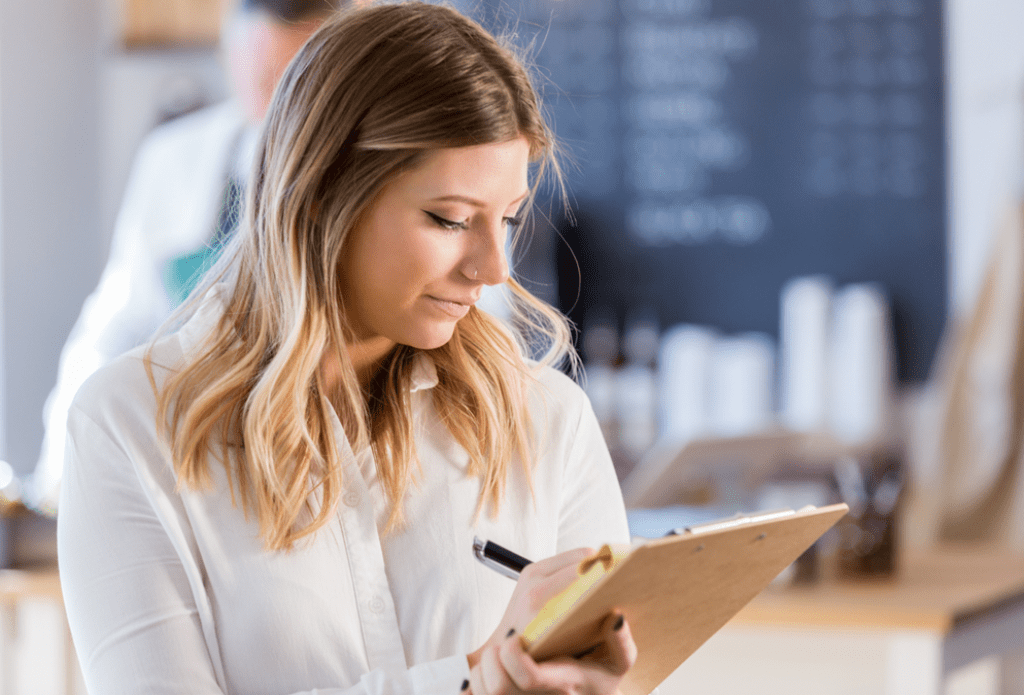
(133, 610)
(592, 510)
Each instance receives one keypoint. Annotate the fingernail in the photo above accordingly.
(619, 623)
(510, 633)
(465, 684)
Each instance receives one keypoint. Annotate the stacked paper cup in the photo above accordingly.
(804, 335)
(836, 368)
(684, 366)
(861, 365)
(714, 385)
(742, 372)
(637, 390)
(837, 371)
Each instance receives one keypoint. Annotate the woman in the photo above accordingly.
(281, 496)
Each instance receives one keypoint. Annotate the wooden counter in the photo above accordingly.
(946, 610)
(35, 582)
(935, 591)
(36, 639)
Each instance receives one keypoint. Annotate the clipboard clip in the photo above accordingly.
(606, 556)
(740, 519)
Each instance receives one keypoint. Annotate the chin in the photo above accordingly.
(431, 339)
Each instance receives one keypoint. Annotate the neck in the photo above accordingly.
(366, 357)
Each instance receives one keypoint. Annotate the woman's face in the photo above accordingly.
(430, 241)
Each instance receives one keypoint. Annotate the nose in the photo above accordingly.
(489, 263)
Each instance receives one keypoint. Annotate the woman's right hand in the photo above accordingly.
(501, 666)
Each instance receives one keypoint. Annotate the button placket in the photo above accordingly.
(377, 619)
(377, 605)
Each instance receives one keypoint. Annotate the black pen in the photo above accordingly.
(501, 560)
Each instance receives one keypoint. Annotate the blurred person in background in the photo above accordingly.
(180, 204)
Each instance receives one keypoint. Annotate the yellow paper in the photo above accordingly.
(590, 571)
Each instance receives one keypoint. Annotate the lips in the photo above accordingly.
(454, 308)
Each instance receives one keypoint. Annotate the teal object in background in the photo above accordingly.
(182, 274)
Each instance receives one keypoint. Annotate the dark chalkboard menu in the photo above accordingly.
(722, 147)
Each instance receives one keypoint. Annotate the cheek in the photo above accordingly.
(397, 261)
(419, 259)
(386, 272)
(439, 256)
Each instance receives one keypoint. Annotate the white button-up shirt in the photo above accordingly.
(171, 591)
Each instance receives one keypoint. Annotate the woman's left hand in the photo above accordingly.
(506, 669)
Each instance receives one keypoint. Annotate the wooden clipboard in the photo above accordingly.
(677, 591)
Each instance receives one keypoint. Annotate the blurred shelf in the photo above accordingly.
(665, 474)
(170, 23)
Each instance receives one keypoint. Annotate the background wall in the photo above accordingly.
(51, 241)
(986, 129)
(73, 105)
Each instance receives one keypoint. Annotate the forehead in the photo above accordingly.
(490, 173)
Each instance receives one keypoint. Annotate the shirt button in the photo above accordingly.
(377, 604)
(351, 499)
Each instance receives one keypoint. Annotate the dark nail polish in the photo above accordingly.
(619, 623)
(465, 685)
(510, 633)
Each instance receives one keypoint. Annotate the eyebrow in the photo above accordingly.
(472, 201)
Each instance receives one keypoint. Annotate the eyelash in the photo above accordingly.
(453, 226)
(444, 223)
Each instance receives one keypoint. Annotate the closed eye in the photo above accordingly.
(445, 223)
(513, 222)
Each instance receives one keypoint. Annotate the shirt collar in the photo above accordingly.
(424, 373)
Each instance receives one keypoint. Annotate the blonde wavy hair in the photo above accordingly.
(370, 93)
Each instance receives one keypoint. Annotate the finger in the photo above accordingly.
(569, 675)
(550, 565)
(620, 649)
(556, 675)
(520, 666)
(565, 675)
(476, 682)
(595, 678)
(560, 579)
(495, 680)
(540, 591)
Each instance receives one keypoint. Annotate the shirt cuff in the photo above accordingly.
(444, 676)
